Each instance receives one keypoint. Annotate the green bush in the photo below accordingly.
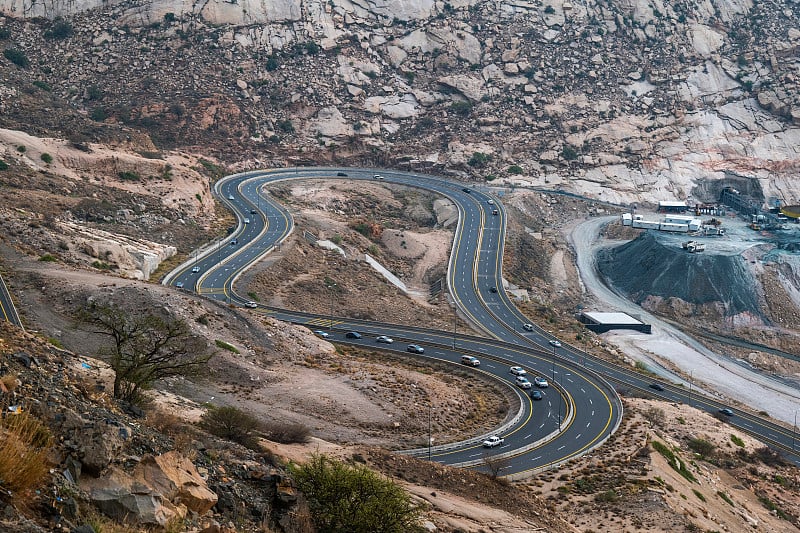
(676, 464)
(353, 498)
(702, 447)
(3, 165)
(5, 33)
(48, 258)
(478, 160)
(515, 169)
(285, 126)
(607, 496)
(129, 175)
(737, 441)
(461, 108)
(61, 29)
(42, 85)
(233, 424)
(16, 56)
(725, 497)
(569, 153)
(47, 158)
(699, 495)
(225, 346)
(272, 64)
(287, 432)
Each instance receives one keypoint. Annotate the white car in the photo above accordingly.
(323, 334)
(195, 270)
(377, 177)
(523, 383)
(527, 327)
(230, 197)
(384, 339)
(518, 371)
(555, 343)
(247, 221)
(541, 382)
(490, 202)
(493, 441)
(251, 305)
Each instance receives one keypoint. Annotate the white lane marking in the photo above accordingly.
(475, 454)
(583, 391)
(540, 427)
(578, 436)
(562, 448)
(592, 413)
(529, 435)
(590, 402)
(536, 458)
(588, 424)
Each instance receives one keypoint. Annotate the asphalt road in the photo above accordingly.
(573, 418)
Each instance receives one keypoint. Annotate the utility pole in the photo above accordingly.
(794, 429)
(330, 319)
(691, 380)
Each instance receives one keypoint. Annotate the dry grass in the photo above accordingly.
(24, 447)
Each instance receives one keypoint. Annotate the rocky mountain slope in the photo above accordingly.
(628, 101)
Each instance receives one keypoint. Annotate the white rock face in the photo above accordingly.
(330, 123)
(705, 40)
(135, 258)
(460, 43)
(395, 107)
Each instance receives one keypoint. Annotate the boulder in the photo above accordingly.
(121, 497)
(472, 87)
(175, 478)
(330, 123)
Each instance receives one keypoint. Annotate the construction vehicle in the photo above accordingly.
(693, 246)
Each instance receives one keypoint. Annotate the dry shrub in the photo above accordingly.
(24, 447)
(287, 432)
(9, 381)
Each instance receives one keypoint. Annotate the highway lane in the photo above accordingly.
(8, 311)
(475, 263)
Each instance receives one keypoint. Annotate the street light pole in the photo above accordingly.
(455, 322)
(330, 319)
(794, 429)
(430, 418)
(691, 380)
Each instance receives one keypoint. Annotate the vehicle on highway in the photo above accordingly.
(469, 360)
(726, 411)
(490, 202)
(377, 177)
(541, 382)
(251, 305)
(555, 343)
(493, 289)
(523, 383)
(230, 197)
(536, 395)
(493, 441)
(342, 174)
(468, 191)
(234, 242)
(247, 221)
(415, 348)
(195, 270)
(657, 386)
(527, 327)
(353, 335)
(384, 339)
(517, 371)
(320, 333)
(179, 284)
(253, 211)
(495, 212)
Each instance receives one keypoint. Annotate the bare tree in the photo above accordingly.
(144, 347)
(494, 464)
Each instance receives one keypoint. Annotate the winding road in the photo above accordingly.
(578, 412)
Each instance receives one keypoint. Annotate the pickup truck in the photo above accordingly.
(493, 441)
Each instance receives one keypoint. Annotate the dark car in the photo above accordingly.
(468, 191)
(234, 242)
(492, 289)
(657, 386)
(343, 174)
(415, 348)
(725, 411)
(536, 395)
(253, 211)
(353, 335)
